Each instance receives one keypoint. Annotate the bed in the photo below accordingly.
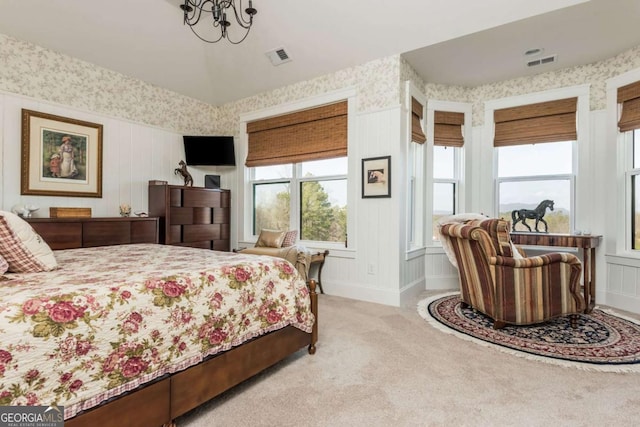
(139, 334)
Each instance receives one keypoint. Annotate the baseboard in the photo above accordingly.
(362, 293)
(409, 292)
(441, 282)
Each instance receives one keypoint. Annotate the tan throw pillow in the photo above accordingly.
(270, 238)
(23, 249)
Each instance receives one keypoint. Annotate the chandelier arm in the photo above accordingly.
(242, 39)
(192, 17)
(205, 40)
(240, 19)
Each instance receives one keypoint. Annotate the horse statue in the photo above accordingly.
(182, 170)
(521, 215)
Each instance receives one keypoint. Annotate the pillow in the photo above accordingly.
(23, 249)
(515, 252)
(4, 266)
(290, 238)
(270, 238)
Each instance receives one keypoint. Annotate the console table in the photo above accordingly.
(587, 243)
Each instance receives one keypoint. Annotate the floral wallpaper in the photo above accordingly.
(408, 73)
(33, 71)
(595, 74)
(376, 83)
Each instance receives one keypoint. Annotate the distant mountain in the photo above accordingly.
(512, 206)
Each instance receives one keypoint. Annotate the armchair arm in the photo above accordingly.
(548, 285)
(536, 261)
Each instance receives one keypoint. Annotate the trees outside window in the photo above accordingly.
(309, 196)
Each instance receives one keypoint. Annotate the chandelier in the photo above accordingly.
(220, 11)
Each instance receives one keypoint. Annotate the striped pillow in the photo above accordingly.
(22, 248)
(290, 238)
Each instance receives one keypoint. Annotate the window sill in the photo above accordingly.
(335, 249)
(628, 259)
(414, 253)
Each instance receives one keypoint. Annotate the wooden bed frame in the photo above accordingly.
(161, 401)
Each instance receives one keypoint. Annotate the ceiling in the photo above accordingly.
(462, 42)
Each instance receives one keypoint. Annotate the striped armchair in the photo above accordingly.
(509, 289)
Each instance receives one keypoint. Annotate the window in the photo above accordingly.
(634, 179)
(445, 183)
(531, 173)
(448, 143)
(628, 99)
(309, 196)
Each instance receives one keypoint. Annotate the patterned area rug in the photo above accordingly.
(603, 341)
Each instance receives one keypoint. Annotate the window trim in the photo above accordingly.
(415, 176)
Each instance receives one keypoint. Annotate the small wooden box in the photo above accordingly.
(70, 212)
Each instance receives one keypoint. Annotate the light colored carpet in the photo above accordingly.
(385, 366)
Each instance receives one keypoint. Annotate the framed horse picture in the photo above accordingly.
(60, 156)
(376, 177)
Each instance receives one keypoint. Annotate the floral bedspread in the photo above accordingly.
(112, 318)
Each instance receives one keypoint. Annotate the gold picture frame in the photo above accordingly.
(60, 156)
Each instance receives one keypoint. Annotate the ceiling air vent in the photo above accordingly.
(278, 56)
(542, 61)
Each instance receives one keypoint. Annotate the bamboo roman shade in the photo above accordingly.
(314, 134)
(447, 129)
(551, 121)
(629, 97)
(417, 135)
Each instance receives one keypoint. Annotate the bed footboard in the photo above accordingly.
(160, 403)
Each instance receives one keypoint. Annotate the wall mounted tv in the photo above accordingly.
(209, 151)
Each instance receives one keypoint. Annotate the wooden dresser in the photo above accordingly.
(71, 233)
(192, 216)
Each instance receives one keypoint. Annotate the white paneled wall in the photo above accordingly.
(368, 270)
(132, 154)
(623, 283)
(440, 273)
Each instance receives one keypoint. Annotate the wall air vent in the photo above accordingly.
(278, 56)
(542, 61)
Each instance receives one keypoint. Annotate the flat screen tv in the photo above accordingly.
(209, 151)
